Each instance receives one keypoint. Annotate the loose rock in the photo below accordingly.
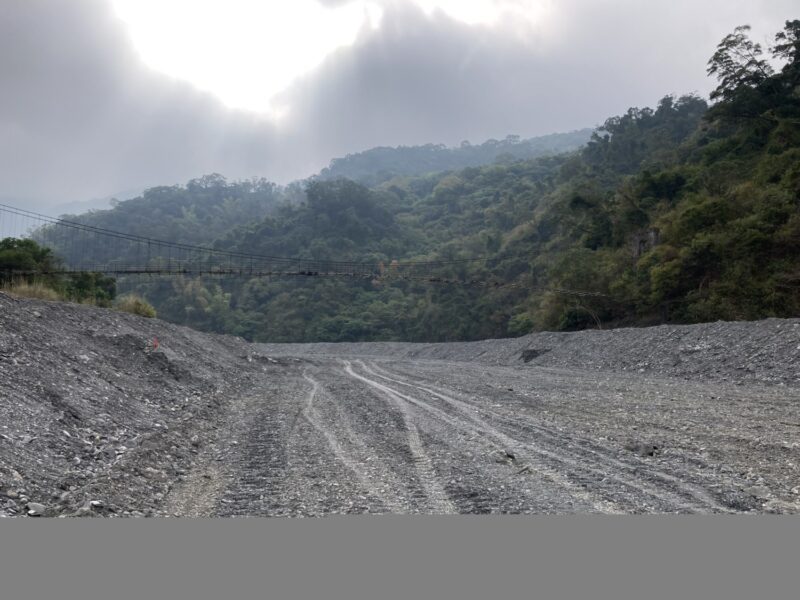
(35, 509)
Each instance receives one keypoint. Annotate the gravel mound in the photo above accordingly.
(766, 351)
(98, 408)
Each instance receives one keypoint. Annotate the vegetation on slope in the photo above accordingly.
(31, 270)
(196, 213)
(135, 305)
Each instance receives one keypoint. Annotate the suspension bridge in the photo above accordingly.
(83, 248)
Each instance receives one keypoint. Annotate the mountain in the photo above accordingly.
(378, 165)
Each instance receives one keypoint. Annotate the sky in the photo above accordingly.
(103, 98)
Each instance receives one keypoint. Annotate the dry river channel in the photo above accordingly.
(320, 435)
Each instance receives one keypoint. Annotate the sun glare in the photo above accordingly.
(247, 51)
(243, 51)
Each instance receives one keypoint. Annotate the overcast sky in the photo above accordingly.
(107, 97)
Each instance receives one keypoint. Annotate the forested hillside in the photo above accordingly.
(679, 213)
(378, 165)
(196, 213)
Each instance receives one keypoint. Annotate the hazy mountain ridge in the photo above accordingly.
(381, 164)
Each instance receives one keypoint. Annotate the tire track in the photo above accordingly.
(601, 466)
(402, 401)
(484, 433)
(259, 465)
(436, 495)
(356, 465)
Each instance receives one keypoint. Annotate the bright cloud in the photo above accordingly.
(243, 51)
(247, 51)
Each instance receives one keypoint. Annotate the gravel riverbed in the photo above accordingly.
(107, 414)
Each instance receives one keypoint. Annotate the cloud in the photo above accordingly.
(429, 77)
(82, 117)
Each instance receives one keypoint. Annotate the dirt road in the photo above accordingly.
(348, 435)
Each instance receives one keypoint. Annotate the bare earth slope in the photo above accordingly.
(666, 419)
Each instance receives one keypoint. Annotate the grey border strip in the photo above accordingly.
(403, 557)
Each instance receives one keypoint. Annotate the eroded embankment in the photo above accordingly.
(103, 412)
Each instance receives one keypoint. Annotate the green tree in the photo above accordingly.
(738, 64)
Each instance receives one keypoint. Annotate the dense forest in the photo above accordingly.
(683, 212)
(196, 213)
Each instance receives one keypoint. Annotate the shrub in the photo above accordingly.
(34, 289)
(91, 288)
(136, 305)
